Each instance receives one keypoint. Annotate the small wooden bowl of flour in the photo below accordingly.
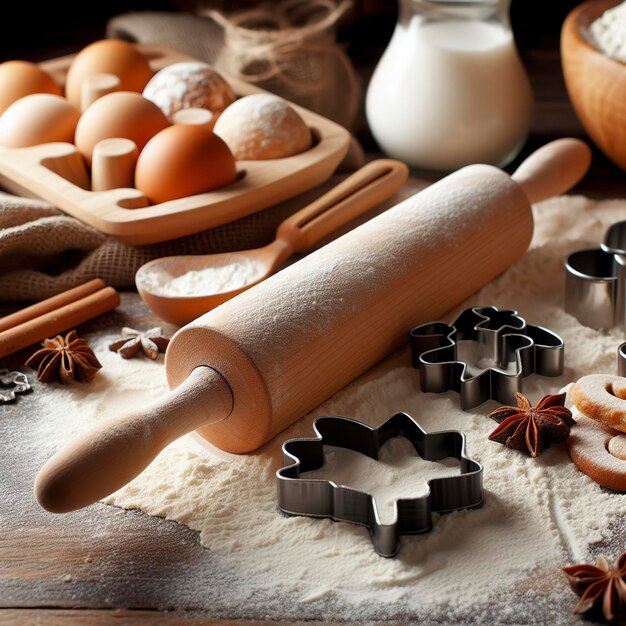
(593, 52)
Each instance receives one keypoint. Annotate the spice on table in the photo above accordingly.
(532, 428)
(64, 359)
(151, 342)
(600, 586)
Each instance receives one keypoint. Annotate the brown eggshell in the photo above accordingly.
(183, 161)
(109, 56)
(22, 78)
(38, 118)
(121, 114)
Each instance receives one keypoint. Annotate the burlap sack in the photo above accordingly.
(290, 48)
(285, 47)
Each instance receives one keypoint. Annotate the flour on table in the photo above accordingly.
(538, 515)
(399, 473)
(210, 280)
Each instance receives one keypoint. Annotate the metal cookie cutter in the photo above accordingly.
(621, 360)
(18, 384)
(595, 281)
(323, 498)
(484, 355)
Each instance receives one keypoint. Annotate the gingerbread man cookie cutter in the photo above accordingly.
(323, 498)
(484, 355)
(12, 383)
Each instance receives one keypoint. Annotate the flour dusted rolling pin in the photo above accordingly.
(248, 369)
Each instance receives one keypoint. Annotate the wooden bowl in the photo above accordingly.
(596, 84)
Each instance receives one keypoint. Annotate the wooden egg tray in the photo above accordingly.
(43, 171)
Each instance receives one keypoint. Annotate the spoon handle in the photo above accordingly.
(372, 184)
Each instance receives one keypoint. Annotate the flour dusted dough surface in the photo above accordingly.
(496, 565)
(262, 126)
(187, 85)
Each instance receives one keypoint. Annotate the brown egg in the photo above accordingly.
(121, 114)
(109, 56)
(183, 161)
(38, 118)
(22, 78)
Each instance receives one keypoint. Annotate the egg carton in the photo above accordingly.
(55, 172)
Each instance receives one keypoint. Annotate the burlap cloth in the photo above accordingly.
(44, 252)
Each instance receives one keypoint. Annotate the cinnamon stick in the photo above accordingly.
(55, 321)
(50, 304)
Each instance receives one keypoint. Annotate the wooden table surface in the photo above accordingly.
(55, 570)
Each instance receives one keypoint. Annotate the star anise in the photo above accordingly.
(600, 586)
(151, 342)
(64, 359)
(532, 428)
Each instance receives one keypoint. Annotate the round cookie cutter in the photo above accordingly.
(595, 281)
(621, 360)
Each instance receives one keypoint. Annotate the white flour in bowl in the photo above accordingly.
(216, 279)
(609, 32)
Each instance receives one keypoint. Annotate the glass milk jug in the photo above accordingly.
(450, 89)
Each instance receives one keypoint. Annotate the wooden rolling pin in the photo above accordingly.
(251, 367)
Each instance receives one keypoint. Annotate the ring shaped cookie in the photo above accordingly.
(603, 398)
(596, 451)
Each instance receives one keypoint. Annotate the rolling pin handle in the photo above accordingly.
(553, 169)
(114, 451)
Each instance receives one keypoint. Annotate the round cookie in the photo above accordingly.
(603, 398)
(263, 126)
(590, 446)
(186, 85)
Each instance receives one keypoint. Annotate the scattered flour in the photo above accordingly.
(208, 281)
(609, 32)
(399, 473)
(538, 514)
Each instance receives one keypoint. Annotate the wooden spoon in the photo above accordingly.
(372, 184)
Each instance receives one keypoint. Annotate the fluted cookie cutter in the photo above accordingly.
(323, 498)
(484, 355)
(13, 382)
(595, 281)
